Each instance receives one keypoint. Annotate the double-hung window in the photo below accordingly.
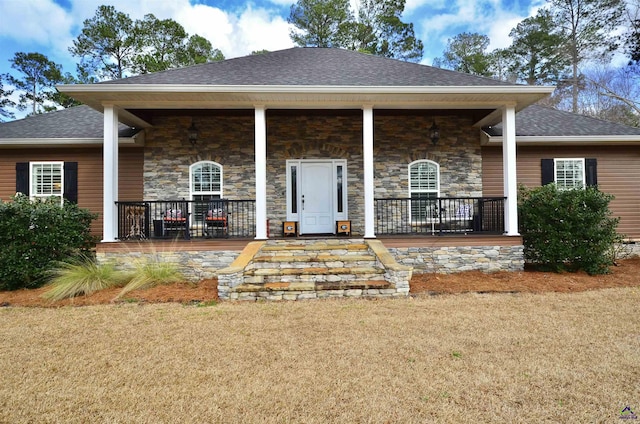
(47, 180)
(41, 180)
(570, 173)
(424, 189)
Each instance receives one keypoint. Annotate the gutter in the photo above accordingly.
(6, 143)
(573, 140)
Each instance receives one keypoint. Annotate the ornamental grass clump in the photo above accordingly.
(82, 277)
(152, 271)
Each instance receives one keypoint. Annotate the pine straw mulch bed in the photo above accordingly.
(625, 274)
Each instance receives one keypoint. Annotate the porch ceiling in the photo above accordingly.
(131, 96)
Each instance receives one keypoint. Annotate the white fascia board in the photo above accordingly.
(332, 89)
(567, 140)
(64, 142)
(194, 96)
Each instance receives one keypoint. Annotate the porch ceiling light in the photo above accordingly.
(434, 133)
(192, 133)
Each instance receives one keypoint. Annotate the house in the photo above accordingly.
(415, 166)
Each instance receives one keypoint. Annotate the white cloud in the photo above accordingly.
(282, 2)
(40, 22)
(210, 22)
(499, 34)
(235, 32)
(136, 9)
(259, 30)
(237, 35)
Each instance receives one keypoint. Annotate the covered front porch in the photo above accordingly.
(250, 172)
(316, 175)
(312, 169)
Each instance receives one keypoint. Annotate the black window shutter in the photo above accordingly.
(547, 171)
(71, 181)
(22, 178)
(591, 172)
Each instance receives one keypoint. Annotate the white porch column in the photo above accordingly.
(367, 154)
(110, 175)
(509, 170)
(261, 172)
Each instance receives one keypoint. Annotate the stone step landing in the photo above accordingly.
(307, 269)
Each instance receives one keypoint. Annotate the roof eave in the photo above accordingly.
(332, 89)
(196, 96)
(164, 95)
(573, 140)
(9, 143)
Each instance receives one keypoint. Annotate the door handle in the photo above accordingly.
(303, 202)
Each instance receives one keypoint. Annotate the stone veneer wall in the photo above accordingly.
(226, 138)
(400, 137)
(631, 249)
(195, 265)
(446, 260)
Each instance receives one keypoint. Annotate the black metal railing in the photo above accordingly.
(186, 219)
(438, 216)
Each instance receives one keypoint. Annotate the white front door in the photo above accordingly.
(316, 198)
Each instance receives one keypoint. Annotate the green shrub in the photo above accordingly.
(82, 276)
(36, 235)
(568, 230)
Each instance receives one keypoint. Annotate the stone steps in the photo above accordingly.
(315, 258)
(315, 247)
(311, 286)
(312, 274)
(310, 269)
(312, 263)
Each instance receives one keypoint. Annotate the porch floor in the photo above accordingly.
(237, 244)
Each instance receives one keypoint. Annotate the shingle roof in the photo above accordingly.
(543, 121)
(312, 66)
(75, 122)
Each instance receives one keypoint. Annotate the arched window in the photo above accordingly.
(205, 181)
(424, 189)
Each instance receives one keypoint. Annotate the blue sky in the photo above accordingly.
(238, 27)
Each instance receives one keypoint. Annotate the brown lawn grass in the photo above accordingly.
(525, 357)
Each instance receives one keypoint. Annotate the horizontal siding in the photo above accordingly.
(89, 174)
(131, 169)
(618, 174)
